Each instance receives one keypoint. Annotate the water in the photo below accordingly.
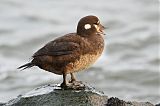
(128, 68)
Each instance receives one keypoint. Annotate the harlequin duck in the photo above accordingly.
(72, 52)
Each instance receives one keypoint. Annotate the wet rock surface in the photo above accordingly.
(1, 104)
(53, 95)
(157, 104)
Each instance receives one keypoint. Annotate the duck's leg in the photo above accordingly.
(72, 78)
(64, 83)
(73, 84)
(76, 84)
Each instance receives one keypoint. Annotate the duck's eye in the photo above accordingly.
(97, 23)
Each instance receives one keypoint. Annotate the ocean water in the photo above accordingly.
(129, 67)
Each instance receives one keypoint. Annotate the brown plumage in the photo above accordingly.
(72, 52)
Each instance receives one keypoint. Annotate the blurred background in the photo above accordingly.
(128, 68)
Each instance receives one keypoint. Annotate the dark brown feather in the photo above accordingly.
(57, 48)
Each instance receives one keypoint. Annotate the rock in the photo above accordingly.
(53, 95)
(1, 104)
(117, 102)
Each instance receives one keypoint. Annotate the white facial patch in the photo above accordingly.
(98, 22)
(96, 26)
(87, 26)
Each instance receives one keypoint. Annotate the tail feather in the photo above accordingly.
(28, 65)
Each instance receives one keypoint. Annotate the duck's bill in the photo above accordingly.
(101, 29)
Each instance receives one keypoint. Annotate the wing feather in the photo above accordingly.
(54, 48)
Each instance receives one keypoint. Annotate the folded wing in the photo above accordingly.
(54, 48)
